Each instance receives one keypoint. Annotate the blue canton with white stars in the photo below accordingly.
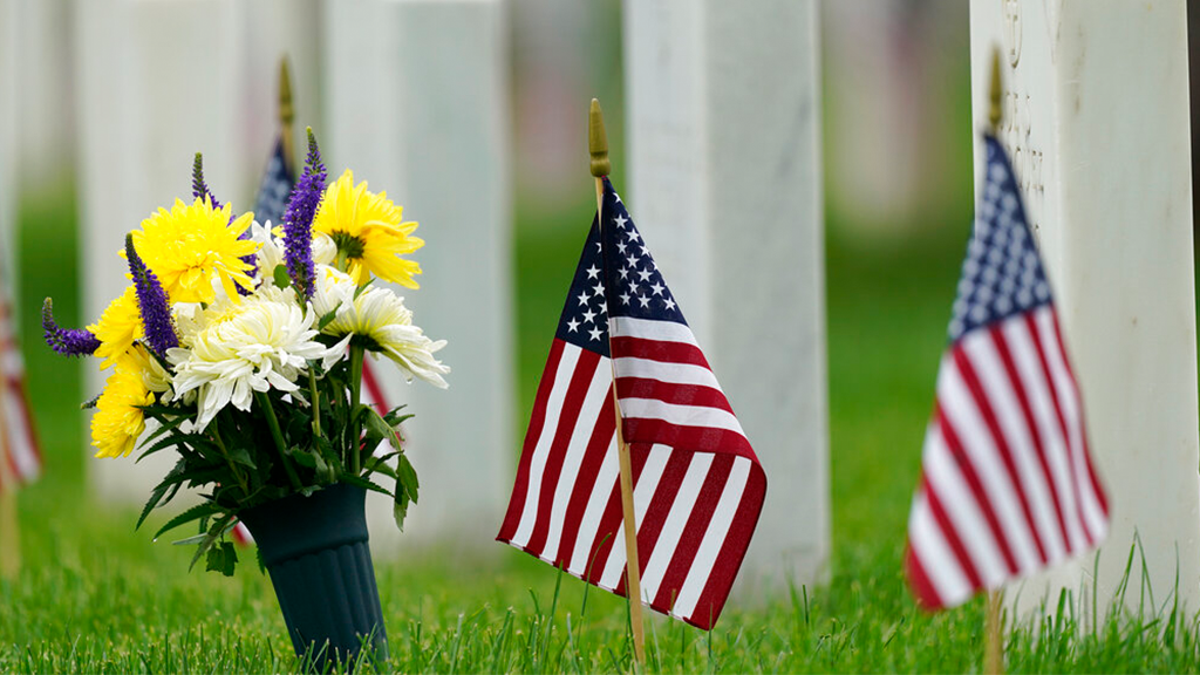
(1002, 274)
(275, 189)
(630, 284)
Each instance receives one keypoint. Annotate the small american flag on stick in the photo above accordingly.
(698, 487)
(1007, 485)
(19, 445)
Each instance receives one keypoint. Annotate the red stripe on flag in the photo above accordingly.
(922, 589)
(1064, 427)
(1019, 390)
(984, 406)
(611, 524)
(733, 551)
(373, 389)
(516, 503)
(706, 397)
(702, 439)
(657, 350)
(585, 482)
(951, 534)
(581, 381)
(693, 533)
(1097, 489)
(967, 468)
(669, 484)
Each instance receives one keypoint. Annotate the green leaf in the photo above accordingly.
(377, 426)
(282, 280)
(364, 483)
(408, 477)
(328, 318)
(242, 456)
(160, 490)
(304, 459)
(400, 508)
(198, 511)
(406, 490)
(218, 528)
(222, 559)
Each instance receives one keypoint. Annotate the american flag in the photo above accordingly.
(698, 487)
(276, 187)
(1007, 484)
(20, 444)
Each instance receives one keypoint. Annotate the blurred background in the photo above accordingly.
(897, 142)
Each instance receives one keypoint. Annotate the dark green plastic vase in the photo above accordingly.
(317, 553)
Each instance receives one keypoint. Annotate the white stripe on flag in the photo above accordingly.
(647, 483)
(714, 537)
(541, 452)
(589, 525)
(929, 545)
(1069, 397)
(943, 475)
(993, 378)
(671, 373)
(595, 402)
(650, 329)
(959, 408)
(672, 529)
(681, 415)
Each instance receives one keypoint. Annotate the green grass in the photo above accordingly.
(95, 596)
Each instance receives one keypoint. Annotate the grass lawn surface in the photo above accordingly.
(94, 596)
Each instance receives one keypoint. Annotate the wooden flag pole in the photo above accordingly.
(598, 147)
(287, 115)
(993, 659)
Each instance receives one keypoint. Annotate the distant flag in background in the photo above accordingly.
(19, 444)
(698, 486)
(276, 187)
(1007, 486)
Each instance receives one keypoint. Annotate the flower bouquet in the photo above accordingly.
(239, 346)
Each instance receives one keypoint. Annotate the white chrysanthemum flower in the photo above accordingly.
(379, 315)
(232, 350)
(270, 255)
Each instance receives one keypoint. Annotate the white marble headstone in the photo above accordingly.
(723, 120)
(158, 81)
(8, 136)
(1096, 121)
(417, 94)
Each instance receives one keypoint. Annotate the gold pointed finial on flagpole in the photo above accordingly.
(598, 141)
(287, 113)
(995, 93)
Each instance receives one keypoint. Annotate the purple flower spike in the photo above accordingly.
(66, 341)
(199, 191)
(152, 303)
(297, 220)
(199, 187)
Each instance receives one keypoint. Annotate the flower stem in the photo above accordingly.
(273, 424)
(216, 434)
(316, 402)
(356, 368)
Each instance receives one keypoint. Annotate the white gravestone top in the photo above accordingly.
(1096, 120)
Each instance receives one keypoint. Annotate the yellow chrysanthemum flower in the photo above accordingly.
(368, 231)
(118, 327)
(118, 420)
(190, 246)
